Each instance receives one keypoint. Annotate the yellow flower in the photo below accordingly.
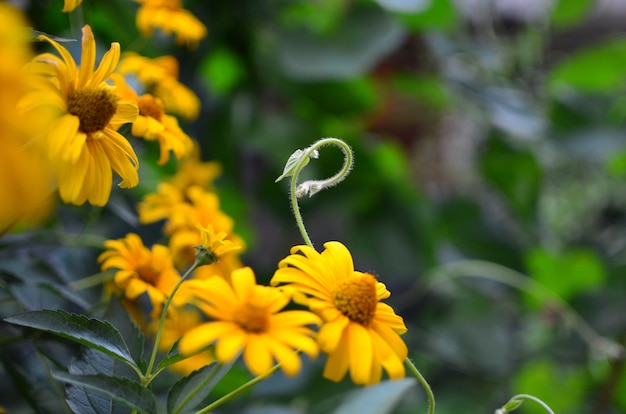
(170, 17)
(213, 246)
(160, 78)
(70, 5)
(82, 140)
(248, 319)
(194, 172)
(153, 123)
(25, 182)
(359, 334)
(142, 270)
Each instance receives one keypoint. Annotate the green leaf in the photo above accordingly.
(359, 42)
(512, 405)
(569, 12)
(441, 15)
(566, 274)
(90, 332)
(222, 70)
(597, 69)
(515, 173)
(85, 400)
(118, 316)
(129, 393)
(379, 399)
(563, 389)
(205, 378)
(291, 164)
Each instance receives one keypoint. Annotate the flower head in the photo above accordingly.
(153, 123)
(160, 78)
(142, 270)
(82, 139)
(169, 16)
(70, 5)
(213, 246)
(247, 319)
(360, 334)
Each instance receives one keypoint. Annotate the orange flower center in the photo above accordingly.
(356, 298)
(94, 107)
(148, 274)
(150, 106)
(251, 318)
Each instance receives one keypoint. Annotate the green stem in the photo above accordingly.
(422, 380)
(239, 390)
(510, 277)
(148, 376)
(312, 187)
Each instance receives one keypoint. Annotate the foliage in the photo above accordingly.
(487, 194)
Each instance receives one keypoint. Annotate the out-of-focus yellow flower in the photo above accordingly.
(25, 175)
(160, 77)
(170, 17)
(248, 320)
(178, 322)
(70, 5)
(153, 123)
(141, 270)
(360, 334)
(194, 172)
(82, 139)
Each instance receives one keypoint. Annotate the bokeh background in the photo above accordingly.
(489, 147)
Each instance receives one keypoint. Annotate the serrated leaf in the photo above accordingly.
(290, 166)
(90, 332)
(86, 401)
(127, 392)
(206, 377)
(378, 399)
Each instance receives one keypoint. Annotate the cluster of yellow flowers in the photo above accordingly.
(216, 312)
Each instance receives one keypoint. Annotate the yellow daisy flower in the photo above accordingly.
(153, 123)
(83, 142)
(359, 334)
(142, 270)
(160, 78)
(214, 243)
(170, 17)
(25, 183)
(248, 320)
(70, 5)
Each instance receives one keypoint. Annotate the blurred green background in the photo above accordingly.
(488, 139)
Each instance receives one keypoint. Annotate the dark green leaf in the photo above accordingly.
(515, 173)
(364, 37)
(90, 332)
(378, 399)
(180, 396)
(129, 393)
(118, 316)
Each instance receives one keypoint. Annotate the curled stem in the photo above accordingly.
(298, 161)
(422, 380)
(517, 400)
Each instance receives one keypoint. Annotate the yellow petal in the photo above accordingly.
(360, 353)
(287, 357)
(331, 333)
(107, 65)
(126, 113)
(67, 58)
(88, 56)
(337, 362)
(122, 157)
(256, 355)
(339, 259)
(103, 178)
(203, 335)
(229, 345)
(243, 281)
